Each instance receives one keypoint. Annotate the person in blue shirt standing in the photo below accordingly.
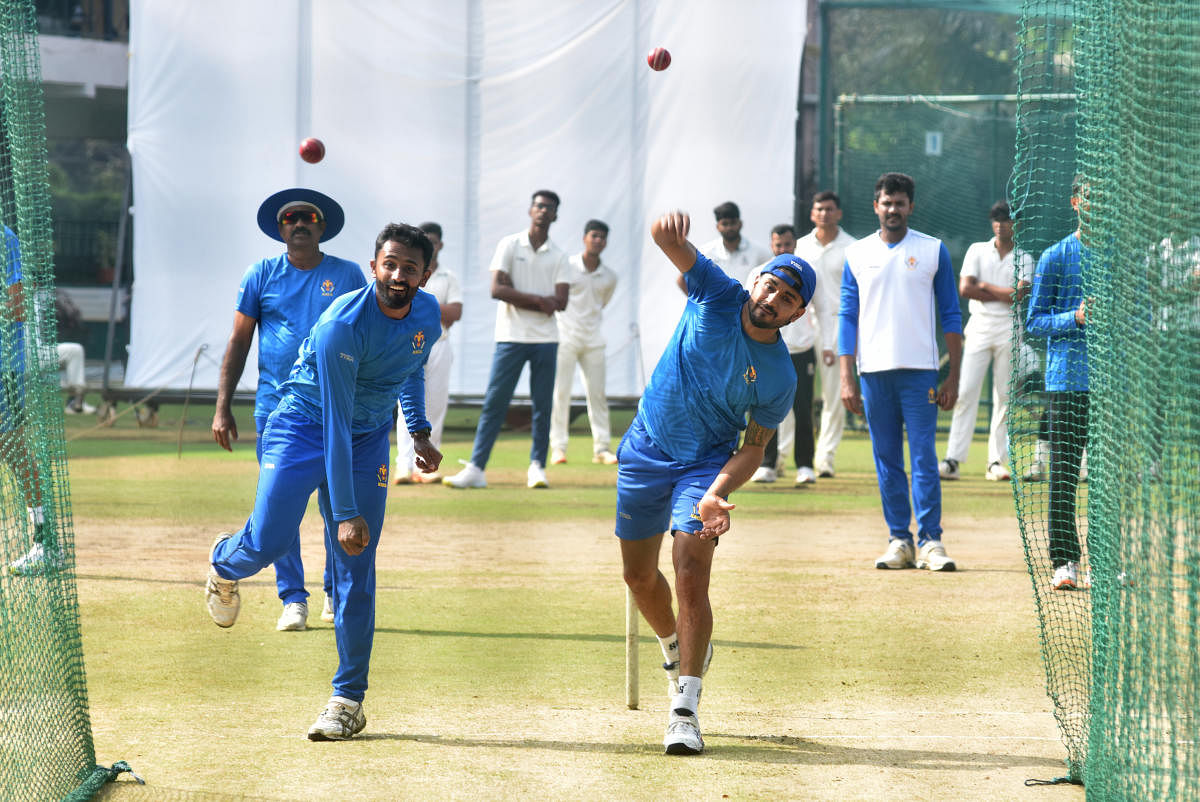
(679, 460)
(1058, 311)
(896, 283)
(282, 296)
(330, 431)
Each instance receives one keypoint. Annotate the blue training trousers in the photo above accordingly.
(895, 400)
(289, 569)
(292, 466)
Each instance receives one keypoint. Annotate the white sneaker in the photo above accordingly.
(672, 670)
(899, 555)
(558, 457)
(604, 457)
(948, 469)
(536, 475)
(469, 476)
(683, 734)
(826, 472)
(764, 474)
(805, 476)
(341, 719)
(294, 617)
(1066, 577)
(996, 472)
(933, 557)
(221, 595)
(1038, 470)
(37, 561)
(327, 610)
(81, 408)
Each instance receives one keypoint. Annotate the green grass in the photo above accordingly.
(498, 668)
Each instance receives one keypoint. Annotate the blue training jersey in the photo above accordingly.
(286, 302)
(12, 349)
(1054, 297)
(351, 369)
(711, 373)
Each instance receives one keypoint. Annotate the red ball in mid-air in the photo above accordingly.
(312, 150)
(659, 59)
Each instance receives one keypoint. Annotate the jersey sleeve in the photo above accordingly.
(945, 292)
(608, 288)
(250, 293)
(453, 290)
(848, 314)
(1044, 318)
(708, 283)
(502, 258)
(336, 353)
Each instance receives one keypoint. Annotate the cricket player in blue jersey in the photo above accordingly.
(330, 431)
(680, 459)
(282, 296)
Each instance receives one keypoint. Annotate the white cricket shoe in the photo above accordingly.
(948, 469)
(764, 474)
(341, 719)
(604, 457)
(899, 554)
(683, 733)
(327, 610)
(1038, 470)
(221, 595)
(672, 670)
(469, 476)
(996, 472)
(294, 617)
(932, 556)
(536, 475)
(558, 457)
(826, 472)
(1066, 577)
(805, 476)
(37, 561)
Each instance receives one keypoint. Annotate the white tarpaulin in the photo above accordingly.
(455, 112)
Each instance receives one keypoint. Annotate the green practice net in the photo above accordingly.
(1107, 447)
(45, 734)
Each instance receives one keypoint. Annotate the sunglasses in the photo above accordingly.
(293, 216)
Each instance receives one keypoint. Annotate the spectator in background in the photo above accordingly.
(71, 354)
(825, 249)
(895, 285)
(530, 279)
(441, 284)
(987, 278)
(581, 342)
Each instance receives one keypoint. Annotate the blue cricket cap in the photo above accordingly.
(782, 266)
(273, 207)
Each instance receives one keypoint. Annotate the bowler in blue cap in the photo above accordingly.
(281, 297)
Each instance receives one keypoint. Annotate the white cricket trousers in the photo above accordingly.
(592, 368)
(833, 415)
(985, 343)
(70, 362)
(437, 399)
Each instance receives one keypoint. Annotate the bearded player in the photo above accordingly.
(331, 430)
(680, 459)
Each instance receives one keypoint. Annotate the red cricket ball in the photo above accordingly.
(312, 150)
(659, 59)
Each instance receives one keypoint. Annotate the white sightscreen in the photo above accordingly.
(455, 112)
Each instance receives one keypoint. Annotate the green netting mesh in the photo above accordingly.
(45, 733)
(1121, 649)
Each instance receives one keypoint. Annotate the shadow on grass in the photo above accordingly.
(570, 636)
(764, 749)
(128, 791)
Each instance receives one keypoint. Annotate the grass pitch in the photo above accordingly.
(498, 668)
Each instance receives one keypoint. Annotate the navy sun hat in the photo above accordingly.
(273, 207)
(807, 283)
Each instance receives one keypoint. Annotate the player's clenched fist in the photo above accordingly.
(354, 536)
(671, 229)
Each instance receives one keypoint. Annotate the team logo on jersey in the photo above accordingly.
(418, 343)
(932, 396)
(750, 375)
(327, 287)
(911, 262)
(695, 512)
(382, 474)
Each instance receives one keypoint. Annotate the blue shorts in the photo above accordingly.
(654, 491)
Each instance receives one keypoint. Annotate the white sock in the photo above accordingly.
(670, 648)
(37, 515)
(688, 697)
(350, 703)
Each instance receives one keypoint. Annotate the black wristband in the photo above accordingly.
(420, 432)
